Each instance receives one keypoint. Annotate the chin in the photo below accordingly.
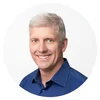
(43, 67)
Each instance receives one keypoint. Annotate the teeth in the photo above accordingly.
(43, 57)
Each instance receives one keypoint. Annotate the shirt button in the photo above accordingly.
(43, 90)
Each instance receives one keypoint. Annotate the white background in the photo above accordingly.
(9, 10)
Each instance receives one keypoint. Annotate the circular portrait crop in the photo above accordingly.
(50, 50)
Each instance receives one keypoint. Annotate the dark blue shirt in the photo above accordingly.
(64, 81)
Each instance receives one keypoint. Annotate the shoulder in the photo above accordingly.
(75, 79)
(77, 75)
(27, 78)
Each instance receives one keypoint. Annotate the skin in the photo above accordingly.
(46, 51)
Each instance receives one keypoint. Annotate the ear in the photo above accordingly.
(64, 44)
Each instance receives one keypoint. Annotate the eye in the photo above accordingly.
(34, 40)
(50, 40)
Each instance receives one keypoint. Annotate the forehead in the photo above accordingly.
(42, 31)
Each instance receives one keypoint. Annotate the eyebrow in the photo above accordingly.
(44, 38)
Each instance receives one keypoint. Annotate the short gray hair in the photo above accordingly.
(49, 20)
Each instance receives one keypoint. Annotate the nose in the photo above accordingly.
(42, 47)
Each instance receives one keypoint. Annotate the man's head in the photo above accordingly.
(47, 40)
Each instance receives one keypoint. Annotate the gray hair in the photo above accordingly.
(49, 20)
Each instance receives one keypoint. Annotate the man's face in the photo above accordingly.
(45, 48)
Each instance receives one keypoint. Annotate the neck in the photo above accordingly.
(47, 74)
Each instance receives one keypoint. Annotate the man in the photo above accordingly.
(54, 76)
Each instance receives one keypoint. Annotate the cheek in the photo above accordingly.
(54, 49)
(32, 48)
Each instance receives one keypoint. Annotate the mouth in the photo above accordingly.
(43, 57)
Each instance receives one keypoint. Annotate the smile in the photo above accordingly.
(43, 57)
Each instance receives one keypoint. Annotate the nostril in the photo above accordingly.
(43, 51)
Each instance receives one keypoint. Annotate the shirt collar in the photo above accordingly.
(58, 78)
(36, 76)
(62, 75)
